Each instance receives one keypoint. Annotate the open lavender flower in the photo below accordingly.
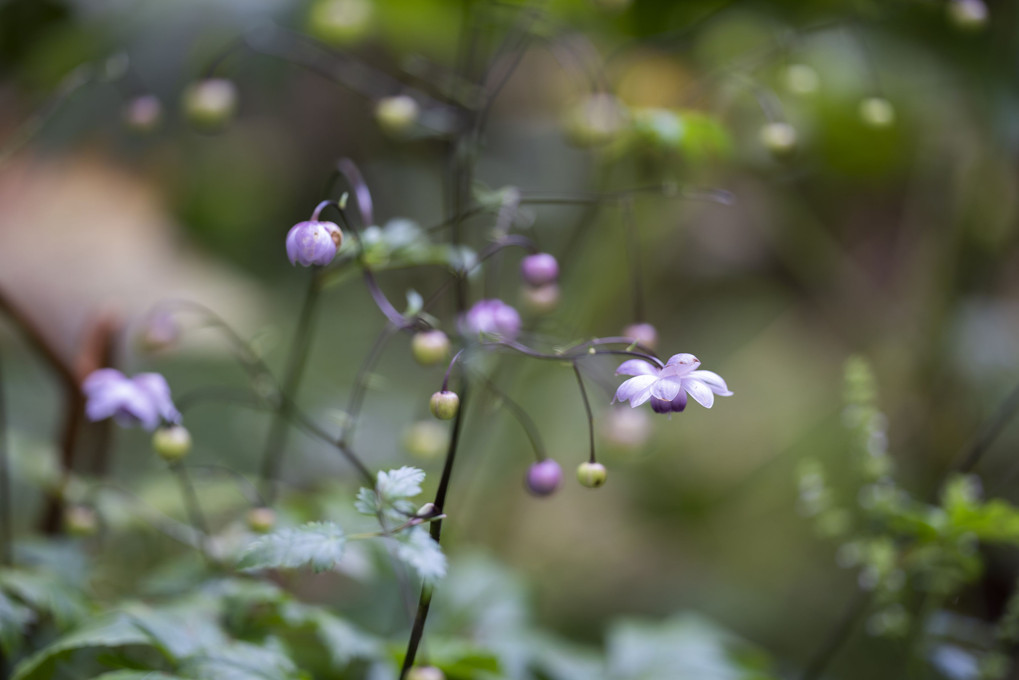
(142, 400)
(492, 317)
(313, 243)
(667, 388)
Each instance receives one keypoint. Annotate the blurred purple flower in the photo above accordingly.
(492, 317)
(667, 388)
(142, 400)
(539, 269)
(313, 243)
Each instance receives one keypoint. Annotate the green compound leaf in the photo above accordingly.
(421, 553)
(318, 545)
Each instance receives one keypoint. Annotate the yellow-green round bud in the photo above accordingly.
(81, 520)
(877, 112)
(591, 475)
(445, 405)
(261, 520)
(172, 443)
(779, 138)
(426, 439)
(396, 115)
(340, 22)
(210, 104)
(430, 347)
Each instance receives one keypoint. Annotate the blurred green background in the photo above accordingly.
(894, 239)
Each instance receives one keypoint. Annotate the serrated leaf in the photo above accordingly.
(113, 631)
(419, 551)
(342, 640)
(318, 545)
(183, 631)
(367, 502)
(403, 482)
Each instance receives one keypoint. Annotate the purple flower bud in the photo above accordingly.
(144, 113)
(544, 478)
(492, 317)
(644, 333)
(142, 400)
(313, 243)
(675, 406)
(159, 331)
(539, 269)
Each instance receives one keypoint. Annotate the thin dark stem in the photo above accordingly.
(435, 530)
(449, 369)
(989, 432)
(272, 458)
(522, 417)
(574, 353)
(193, 508)
(587, 408)
(838, 637)
(7, 507)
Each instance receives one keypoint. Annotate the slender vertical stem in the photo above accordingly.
(6, 506)
(193, 508)
(587, 408)
(435, 530)
(272, 458)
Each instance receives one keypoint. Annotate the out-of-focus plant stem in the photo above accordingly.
(272, 457)
(6, 506)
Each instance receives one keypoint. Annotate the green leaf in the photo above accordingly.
(14, 618)
(420, 552)
(403, 482)
(367, 502)
(46, 593)
(113, 631)
(137, 675)
(318, 545)
(342, 640)
(242, 661)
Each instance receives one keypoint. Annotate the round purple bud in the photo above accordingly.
(492, 317)
(544, 478)
(313, 243)
(144, 113)
(539, 269)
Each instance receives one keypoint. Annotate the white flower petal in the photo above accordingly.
(640, 398)
(714, 381)
(636, 367)
(679, 365)
(634, 386)
(665, 389)
(700, 391)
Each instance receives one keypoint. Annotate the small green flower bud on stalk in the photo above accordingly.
(172, 443)
(425, 673)
(445, 405)
(81, 521)
(397, 115)
(591, 475)
(778, 138)
(430, 347)
(426, 439)
(261, 520)
(210, 104)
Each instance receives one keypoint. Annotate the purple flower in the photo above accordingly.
(142, 400)
(539, 269)
(667, 388)
(313, 243)
(492, 317)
